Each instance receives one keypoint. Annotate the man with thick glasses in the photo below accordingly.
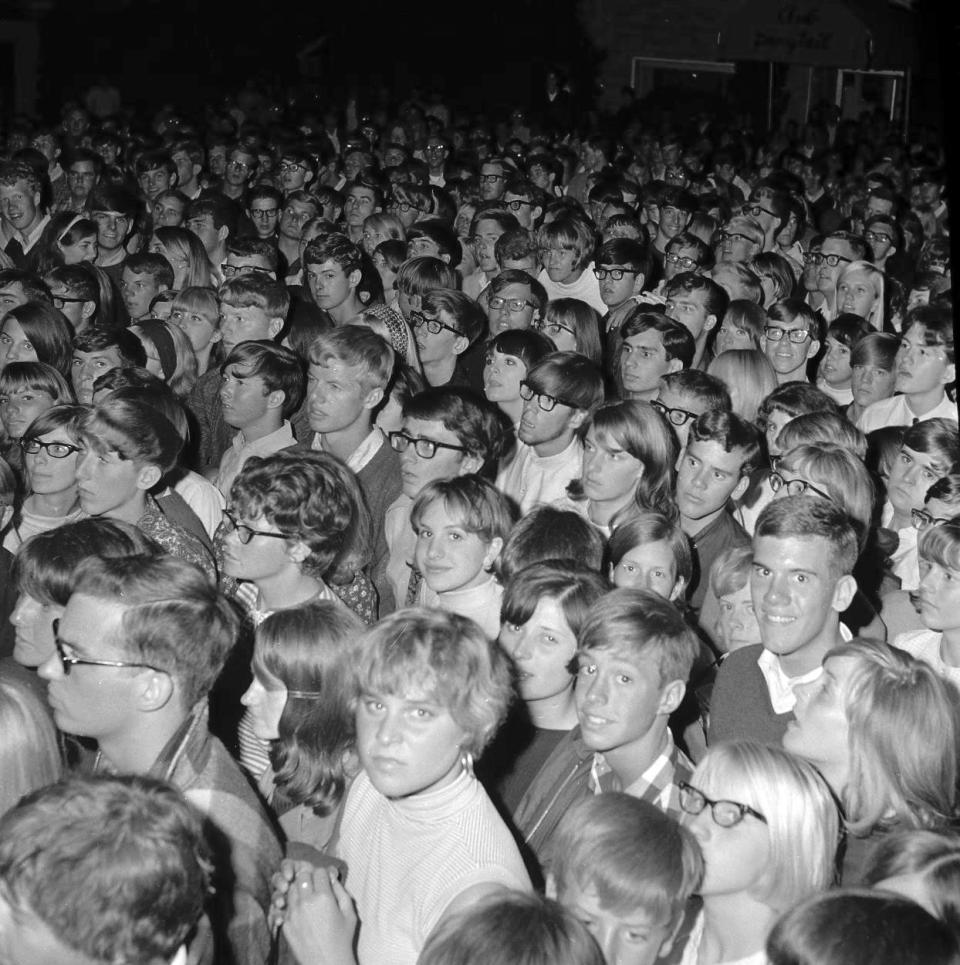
(448, 325)
(838, 250)
(263, 210)
(493, 179)
(129, 672)
(516, 301)
(297, 169)
(559, 393)
(791, 339)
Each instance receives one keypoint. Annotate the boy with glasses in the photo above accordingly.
(838, 250)
(297, 169)
(263, 209)
(791, 339)
(449, 324)
(622, 268)
(559, 392)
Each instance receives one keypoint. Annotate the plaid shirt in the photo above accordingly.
(245, 846)
(657, 784)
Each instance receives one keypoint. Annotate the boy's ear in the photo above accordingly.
(156, 692)
(741, 487)
(576, 420)
(87, 309)
(711, 322)
(949, 374)
(671, 696)
(813, 349)
(639, 280)
(470, 464)
(298, 551)
(844, 592)
(274, 327)
(462, 343)
(353, 279)
(373, 398)
(276, 398)
(223, 232)
(674, 365)
(148, 477)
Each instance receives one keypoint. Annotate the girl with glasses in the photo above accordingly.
(768, 829)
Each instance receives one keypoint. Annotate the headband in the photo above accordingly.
(159, 334)
(63, 234)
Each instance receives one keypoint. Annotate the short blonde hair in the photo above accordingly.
(446, 655)
(802, 819)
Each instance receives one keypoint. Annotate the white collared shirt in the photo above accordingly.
(240, 451)
(360, 456)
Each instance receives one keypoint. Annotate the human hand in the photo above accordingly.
(320, 922)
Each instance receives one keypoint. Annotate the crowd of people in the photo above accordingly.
(427, 540)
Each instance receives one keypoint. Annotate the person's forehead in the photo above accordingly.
(12, 288)
(263, 204)
(683, 297)
(18, 187)
(430, 429)
(514, 290)
(324, 267)
(361, 191)
(111, 354)
(82, 166)
(712, 453)
(516, 196)
(333, 368)
(835, 246)
(677, 399)
(300, 207)
(783, 552)
(150, 172)
(247, 261)
(649, 338)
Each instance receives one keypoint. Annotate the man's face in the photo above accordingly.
(184, 164)
(337, 396)
(168, 212)
(217, 160)
(788, 357)
(19, 204)
(793, 590)
(879, 237)
(877, 205)
(643, 362)
(436, 152)
(264, 213)
(488, 231)
(912, 473)
(92, 701)
(835, 250)
(679, 258)
(508, 312)
(243, 397)
(137, 291)
(294, 174)
(245, 325)
(446, 343)
(541, 428)
(618, 696)
(614, 292)
(360, 204)
(87, 367)
(203, 227)
(689, 309)
(108, 485)
(330, 285)
(240, 168)
(155, 180)
(112, 229)
(921, 367)
(492, 181)
(353, 164)
(735, 245)
(522, 209)
(12, 295)
(81, 177)
(708, 477)
(45, 144)
(294, 216)
(542, 177)
(416, 471)
(691, 405)
(673, 220)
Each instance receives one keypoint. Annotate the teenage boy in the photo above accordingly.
(252, 308)
(627, 870)
(559, 392)
(350, 368)
(676, 208)
(83, 171)
(262, 385)
(156, 173)
(804, 549)
(23, 215)
(298, 208)
(448, 325)
(721, 451)
(634, 656)
(791, 339)
(687, 394)
(362, 198)
(740, 240)
(130, 844)
(129, 673)
(114, 210)
(96, 351)
(653, 346)
(925, 367)
(699, 304)
(445, 432)
(622, 268)
(143, 277)
(297, 169)
(213, 219)
(332, 271)
(263, 209)
(128, 448)
(188, 156)
(240, 172)
(516, 301)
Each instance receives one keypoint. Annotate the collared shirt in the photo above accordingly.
(783, 689)
(361, 455)
(240, 451)
(29, 240)
(896, 411)
(657, 785)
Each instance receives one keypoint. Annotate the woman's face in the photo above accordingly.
(820, 732)
(372, 237)
(14, 344)
(83, 250)
(733, 336)
(911, 475)
(650, 566)
(265, 700)
(737, 626)
(835, 364)
(46, 474)
(856, 294)
(541, 649)
(502, 375)
(735, 859)
(33, 630)
(562, 334)
(19, 407)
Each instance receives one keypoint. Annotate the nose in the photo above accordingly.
(83, 466)
(775, 591)
(388, 730)
(700, 479)
(596, 691)
(435, 548)
(252, 695)
(521, 648)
